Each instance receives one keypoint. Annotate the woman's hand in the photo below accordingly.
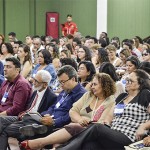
(140, 132)
(146, 141)
(84, 121)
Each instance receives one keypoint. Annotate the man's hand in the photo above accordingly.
(47, 120)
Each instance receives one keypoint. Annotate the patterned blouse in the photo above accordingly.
(134, 113)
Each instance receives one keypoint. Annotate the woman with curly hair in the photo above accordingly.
(131, 110)
(93, 106)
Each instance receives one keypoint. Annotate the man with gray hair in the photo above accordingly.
(58, 115)
(37, 46)
(41, 99)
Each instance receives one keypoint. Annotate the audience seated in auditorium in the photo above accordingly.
(130, 111)
(93, 106)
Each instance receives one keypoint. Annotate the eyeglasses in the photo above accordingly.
(145, 54)
(63, 82)
(130, 81)
(81, 52)
(35, 80)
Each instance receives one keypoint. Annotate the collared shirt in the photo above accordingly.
(69, 28)
(61, 113)
(18, 95)
(40, 96)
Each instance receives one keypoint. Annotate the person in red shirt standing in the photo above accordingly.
(69, 27)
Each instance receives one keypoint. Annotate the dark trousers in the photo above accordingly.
(97, 137)
(9, 127)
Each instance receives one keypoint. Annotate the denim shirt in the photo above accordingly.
(1, 73)
(50, 68)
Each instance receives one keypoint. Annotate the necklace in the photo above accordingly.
(94, 110)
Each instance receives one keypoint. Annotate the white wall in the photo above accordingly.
(101, 16)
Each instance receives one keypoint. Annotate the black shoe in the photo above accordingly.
(34, 129)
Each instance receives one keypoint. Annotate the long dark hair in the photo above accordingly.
(47, 56)
(108, 68)
(26, 49)
(88, 55)
(90, 68)
(102, 56)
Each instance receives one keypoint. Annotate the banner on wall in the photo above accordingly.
(52, 24)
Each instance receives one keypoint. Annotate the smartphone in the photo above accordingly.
(140, 145)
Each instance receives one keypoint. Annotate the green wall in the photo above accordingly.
(83, 11)
(1, 17)
(128, 18)
(28, 16)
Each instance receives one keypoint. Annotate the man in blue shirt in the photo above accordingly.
(56, 116)
(1, 73)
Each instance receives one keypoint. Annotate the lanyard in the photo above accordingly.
(3, 100)
(94, 110)
(61, 100)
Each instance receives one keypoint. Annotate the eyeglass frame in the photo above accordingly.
(35, 80)
(145, 54)
(130, 81)
(63, 82)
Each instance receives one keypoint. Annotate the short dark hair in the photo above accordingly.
(69, 61)
(18, 42)
(95, 39)
(134, 60)
(12, 34)
(145, 66)
(15, 61)
(128, 44)
(102, 42)
(68, 70)
(69, 15)
(55, 40)
(46, 55)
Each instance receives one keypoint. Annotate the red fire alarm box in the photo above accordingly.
(52, 24)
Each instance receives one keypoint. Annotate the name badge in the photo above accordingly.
(57, 105)
(119, 109)
(4, 97)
